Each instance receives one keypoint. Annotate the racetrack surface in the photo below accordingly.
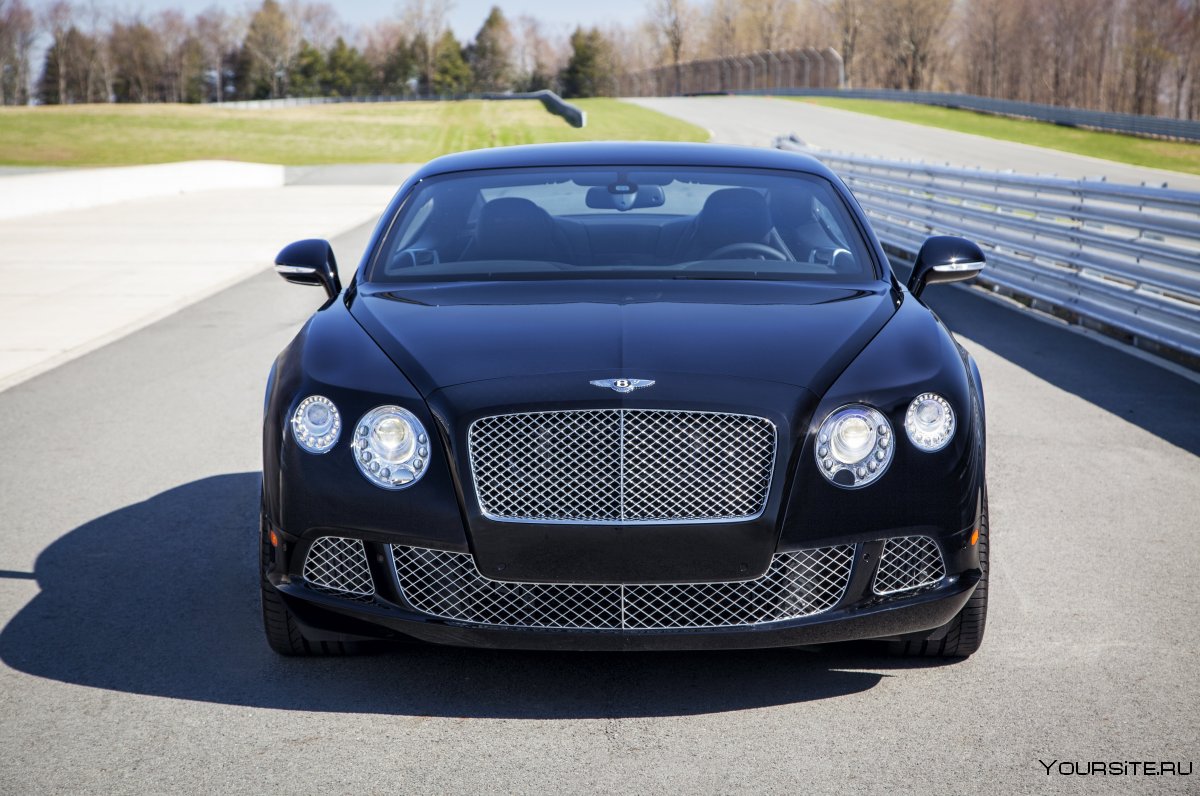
(756, 121)
(132, 661)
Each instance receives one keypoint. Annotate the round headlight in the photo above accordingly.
(316, 424)
(854, 446)
(391, 447)
(929, 422)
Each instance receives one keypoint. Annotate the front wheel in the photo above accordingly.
(965, 633)
(283, 632)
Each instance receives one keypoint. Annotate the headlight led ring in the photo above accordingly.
(316, 424)
(854, 446)
(929, 422)
(391, 447)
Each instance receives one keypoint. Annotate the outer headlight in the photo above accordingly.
(391, 447)
(316, 424)
(929, 422)
(854, 446)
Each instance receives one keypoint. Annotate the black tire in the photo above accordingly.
(965, 634)
(283, 633)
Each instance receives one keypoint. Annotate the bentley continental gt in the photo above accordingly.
(624, 397)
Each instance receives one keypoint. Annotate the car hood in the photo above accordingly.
(801, 334)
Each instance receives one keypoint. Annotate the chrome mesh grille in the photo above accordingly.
(622, 465)
(796, 585)
(908, 562)
(338, 564)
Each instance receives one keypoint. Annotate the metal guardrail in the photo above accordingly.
(1127, 123)
(574, 116)
(1121, 259)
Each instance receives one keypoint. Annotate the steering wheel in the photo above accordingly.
(768, 252)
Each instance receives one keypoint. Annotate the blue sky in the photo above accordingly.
(465, 15)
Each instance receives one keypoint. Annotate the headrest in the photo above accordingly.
(514, 228)
(734, 215)
(791, 206)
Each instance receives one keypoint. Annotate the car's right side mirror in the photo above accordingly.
(944, 258)
(309, 262)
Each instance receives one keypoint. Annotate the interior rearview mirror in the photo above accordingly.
(604, 198)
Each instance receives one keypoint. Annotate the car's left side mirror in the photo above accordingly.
(309, 262)
(943, 258)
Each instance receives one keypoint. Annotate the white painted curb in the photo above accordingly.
(72, 189)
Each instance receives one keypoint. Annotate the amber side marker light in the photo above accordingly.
(275, 539)
(974, 536)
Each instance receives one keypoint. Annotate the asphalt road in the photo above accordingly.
(132, 661)
(756, 121)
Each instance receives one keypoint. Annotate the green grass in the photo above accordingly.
(1172, 155)
(120, 135)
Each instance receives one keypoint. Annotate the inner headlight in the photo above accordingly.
(316, 424)
(854, 446)
(391, 447)
(929, 422)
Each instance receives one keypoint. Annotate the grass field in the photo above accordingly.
(120, 135)
(1172, 155)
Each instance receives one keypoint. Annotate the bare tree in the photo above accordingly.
(908, 34)
(17, 34)
(173, 32)
(848, 19)
(671, 19)
(768, 18)
(427, 21)
(316, 23)
(219, 34)
(57, 19)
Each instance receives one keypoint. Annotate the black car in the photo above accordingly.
(624, 397)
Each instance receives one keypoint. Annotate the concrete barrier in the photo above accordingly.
(72, 189)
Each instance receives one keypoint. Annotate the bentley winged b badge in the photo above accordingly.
(624, 385)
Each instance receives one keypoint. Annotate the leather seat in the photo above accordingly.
(511, 228)
(730, 215)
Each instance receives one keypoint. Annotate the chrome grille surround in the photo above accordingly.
(622, 466)
(907, 563)
(449, 586)
(338, 564)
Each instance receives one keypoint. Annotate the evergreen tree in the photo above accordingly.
(397, 69)
(590, 70)
(451, 75)
(491, 55)
(48, 85)
(308, 73)
(347, 72)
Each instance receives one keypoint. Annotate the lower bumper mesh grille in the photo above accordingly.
(338, 564)
(907, 563)
(449, 586)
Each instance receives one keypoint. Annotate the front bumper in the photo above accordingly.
(845, 611)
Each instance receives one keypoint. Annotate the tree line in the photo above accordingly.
(282, 50)
(1131, 56)
(1139, 56)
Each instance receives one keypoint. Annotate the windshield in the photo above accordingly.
(598, 222)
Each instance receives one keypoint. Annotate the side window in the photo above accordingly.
(829, 223)
(417, 225)
(405, 255)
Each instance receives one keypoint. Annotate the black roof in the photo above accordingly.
(623, 153)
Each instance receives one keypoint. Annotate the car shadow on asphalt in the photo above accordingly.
(160, 598)
(1156, 399)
